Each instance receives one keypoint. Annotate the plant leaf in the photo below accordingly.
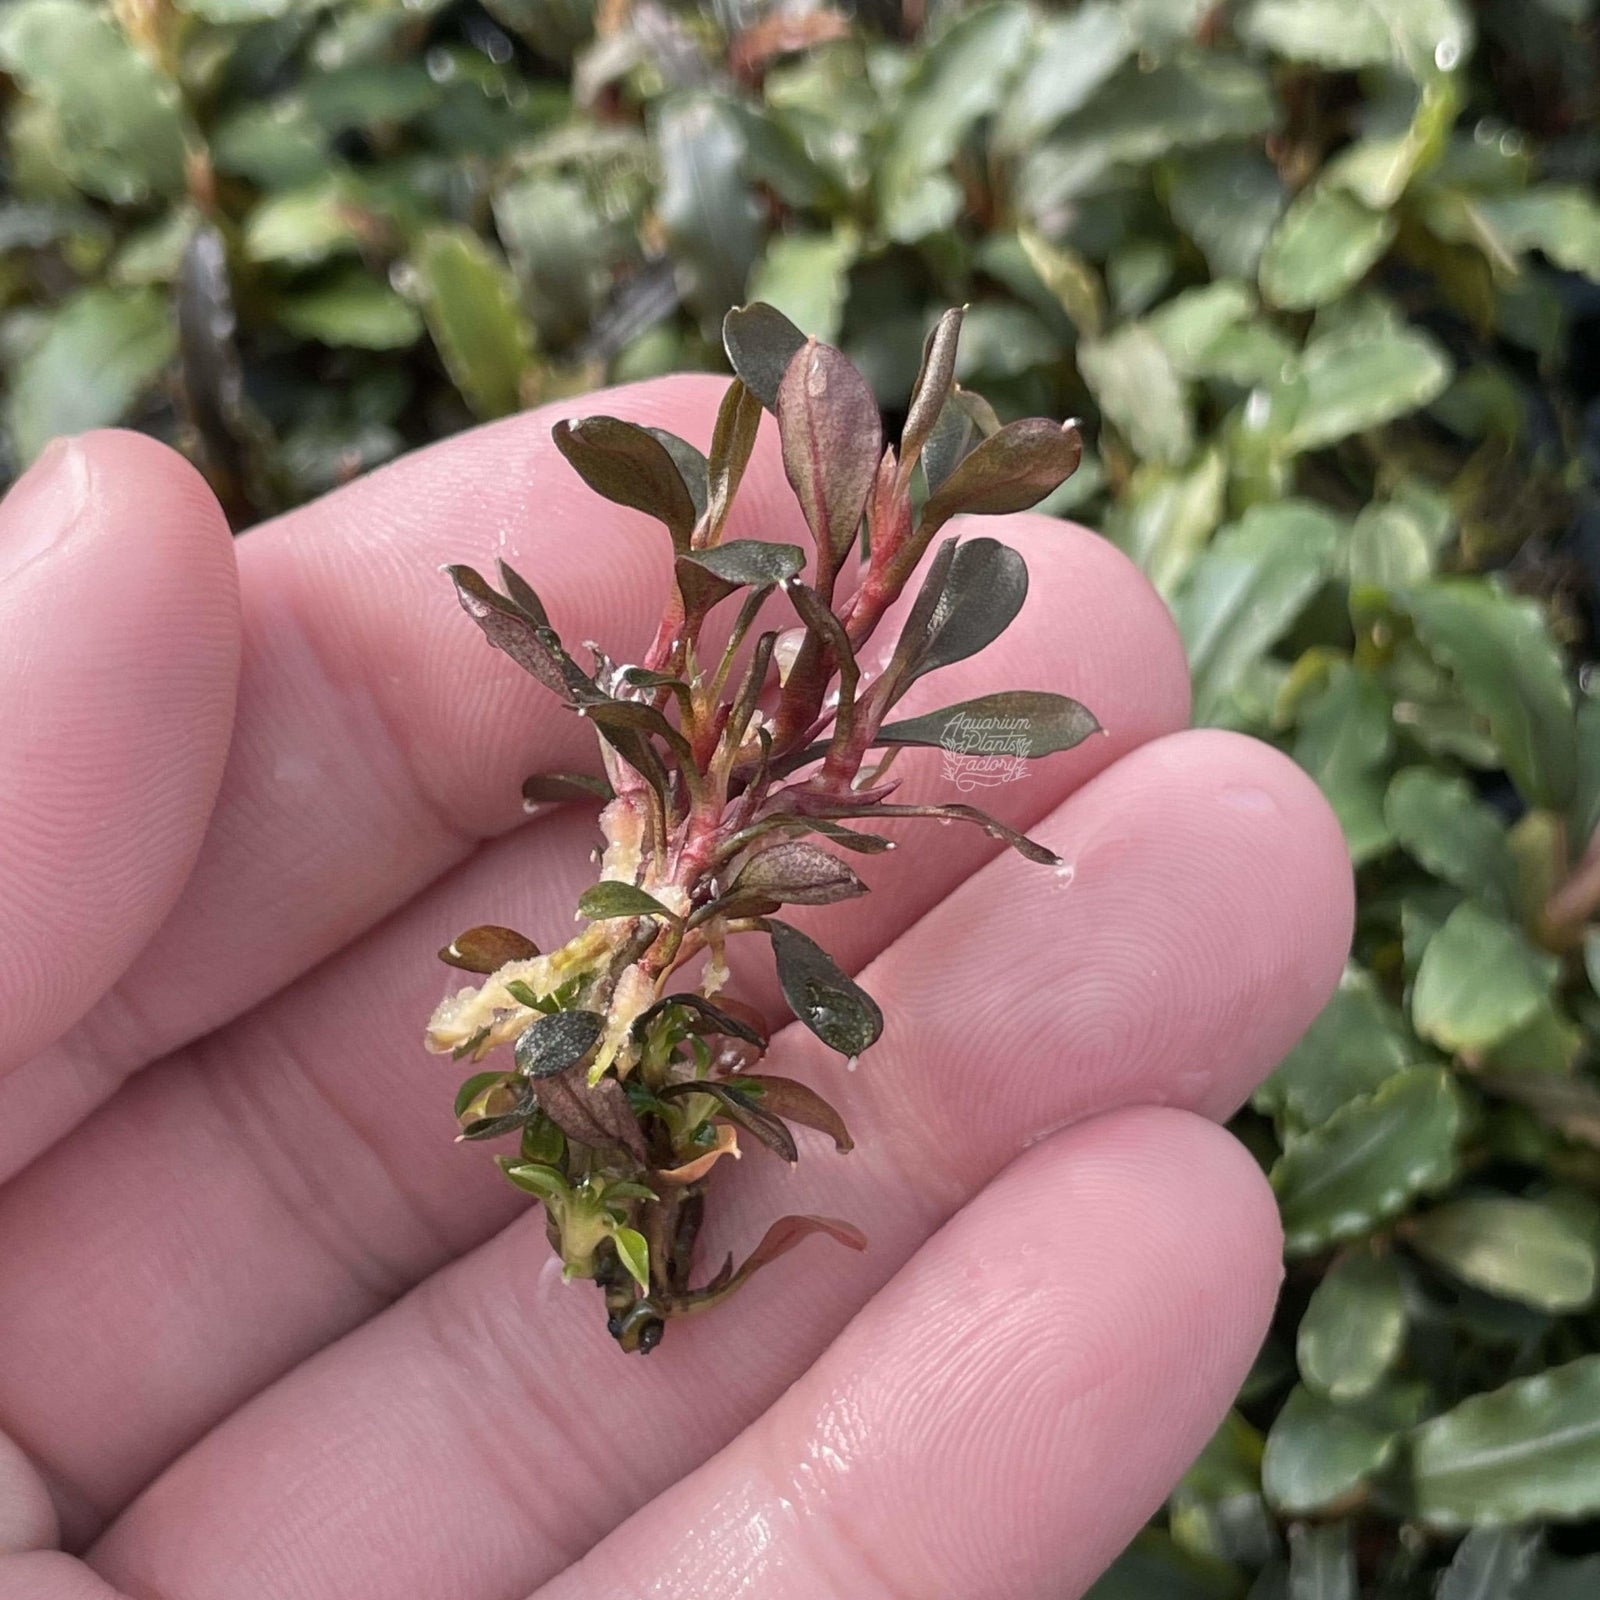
(593, 1114)
(557, 787)
(630, 466)
(556, 1043)
(1492, 1564)
(795, 873)
(1517, 1249)
(761, 343)
(1528, 1450)
(1479, 981)
(932, 389)
(532, 645)
(612, 898)
(1021, 722)
(714, 574)
(740, 1109)
(1317, 1453)
(487, 949)
(1011, 470)
(633, 1251)
(982, 593)
(1369, 1160)
(712, 1018)
(832, 438)
(1353, 1329)
(797, 1102)
(836, 1009)
(732, 441)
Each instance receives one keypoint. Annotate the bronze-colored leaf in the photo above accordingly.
(832, 439)
(532, 645)
(779, 1240)
(797, 1102)
(1026, 723)
(707, 576)
(488, 948)
(761, 342)
(984, 590)
(597, 1115)
(545, 788)
(965, 420)
(631, 467)
(959, 813)
(522, 595)
(732, 441)
(795, 873)
(555, 1043)
(1010, 471)
(932, 390)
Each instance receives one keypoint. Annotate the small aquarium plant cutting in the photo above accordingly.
(740, 776)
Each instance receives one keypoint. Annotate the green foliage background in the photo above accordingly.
(1319, 275)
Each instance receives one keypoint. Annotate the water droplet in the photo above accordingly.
(1447, 55)
(1065, 872)
(851, 1063)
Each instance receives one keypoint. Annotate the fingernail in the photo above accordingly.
(42, 506)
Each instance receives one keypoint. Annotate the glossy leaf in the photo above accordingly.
(1369, 1160)
(610, 898)
(1354, 1327)
(746, 562)
(1530, 1449)
(1318, 1454)
(931, 392)
(835, 1008)
(1491, 1564)
(556, 1043)
(1479, 981)
(1140, 393)
(1322, 1563)
(633, 1251)
(1441, 822)
(1325, 243)
(593, 1114)
(511, 629)
(558, 787)
(982, 591)
(1518, 1249)
(487, 949)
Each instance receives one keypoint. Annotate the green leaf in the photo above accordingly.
(1069, 58)
(1491, 1564)
(1369, 1160)
(960, 78)
(1518, 1249)
(534, 1177)
(1347, 383)
(1479, 981)
(1020, 722)
(469, 301)
(1338, 34)
(706, 205)
(1228, 201)
(611, 898)
(306, 226)
(1325, 244)
(1345, 741)
(806, 276)
(1139, 392)
(761, 342)
(705, 1016)
(832, 439)
(100, 352)
(552, 1044)
(841, 1013)
(1562, 221)
(741, 1109)
(1528, 1450)
(1243, 594)
(1357, 1043)
(1441, 823)
(634, 1253)
(352, 311)
(1353, 1329)
(630, 466)
(115, 123)
(1319, 1453)
(1165, 517)
(1508, 668)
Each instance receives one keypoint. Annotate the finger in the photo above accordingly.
(119, 645)
(378, 739)
(49, 1575)
(1209, 915)
(1000, 1419)
(27, 1513)
(296, 1171)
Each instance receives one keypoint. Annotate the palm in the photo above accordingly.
(267, 1332)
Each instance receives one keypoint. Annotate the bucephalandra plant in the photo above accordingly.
(732, 775)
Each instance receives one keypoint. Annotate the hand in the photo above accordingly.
(266, 1333)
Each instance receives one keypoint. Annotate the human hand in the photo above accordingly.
(266, 1333)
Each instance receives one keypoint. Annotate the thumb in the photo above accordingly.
(119, 657)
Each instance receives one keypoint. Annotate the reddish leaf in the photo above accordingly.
(487, 949)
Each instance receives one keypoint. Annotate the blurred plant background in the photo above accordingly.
(1320, 275)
